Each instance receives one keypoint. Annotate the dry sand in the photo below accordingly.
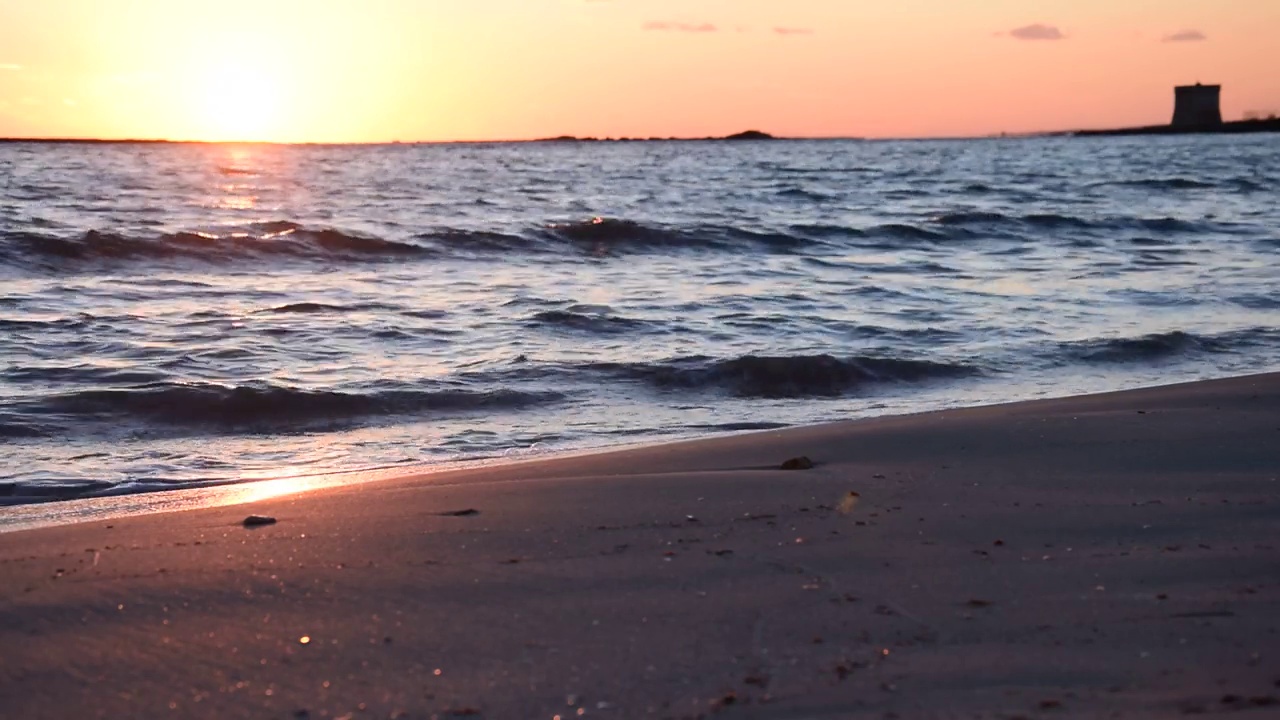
(1104, 556)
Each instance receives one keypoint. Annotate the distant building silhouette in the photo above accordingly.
(1197, 106)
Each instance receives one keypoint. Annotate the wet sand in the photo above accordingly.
(1105, 556)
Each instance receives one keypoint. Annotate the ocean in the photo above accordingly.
(183, 315)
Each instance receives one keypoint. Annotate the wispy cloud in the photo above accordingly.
(10, 66)
(1186, 36)
(680, 27)
(1037, 31)
(785, 31)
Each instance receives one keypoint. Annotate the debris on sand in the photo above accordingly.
(848, 502)
(798, 463)
(469, 512)
(258, 521)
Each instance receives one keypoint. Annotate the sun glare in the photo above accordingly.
(235, 101)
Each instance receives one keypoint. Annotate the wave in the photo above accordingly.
(609, 236)
(600, 323)
(81, 374)
(784, 170)
(12, 429)
(1053, 221)
(287, 240)
(904, 231)
(280, 239)
(970, 218)
(597, 237)
(788, 376)
(312, 308)
(1257, 302)
(1171, 183)
(1166, 345)
(828, 231)
(22, 493)
(479, 242)
(265, 407)
(797, 193)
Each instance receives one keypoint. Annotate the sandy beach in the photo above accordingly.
(1103, 556)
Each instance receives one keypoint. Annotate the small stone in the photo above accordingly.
(259, 521)
(848, 502)
(798, 463)
(727, 700)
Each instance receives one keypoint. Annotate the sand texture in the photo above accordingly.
(1106, 556)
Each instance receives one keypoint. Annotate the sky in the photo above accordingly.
(439, 70)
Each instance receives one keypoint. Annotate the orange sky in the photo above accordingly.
(381, 70)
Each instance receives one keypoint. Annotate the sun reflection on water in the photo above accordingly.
(248, 488)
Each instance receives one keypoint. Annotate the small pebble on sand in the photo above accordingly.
(798, 463)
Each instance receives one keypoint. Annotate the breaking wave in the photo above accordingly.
(267, 240)
(600, 323)
(264, 407)
(1161, 346)
(597, 237)
(777, 377)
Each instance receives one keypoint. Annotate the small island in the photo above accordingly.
(748, 135)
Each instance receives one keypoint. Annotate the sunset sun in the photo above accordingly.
(232, 100)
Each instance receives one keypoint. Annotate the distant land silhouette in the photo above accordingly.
(748, 135)
(1233, 127)
(1197, 109)
(745, 135)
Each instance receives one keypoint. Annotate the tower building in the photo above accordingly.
(1197, 106)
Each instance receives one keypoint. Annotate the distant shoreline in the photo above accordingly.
(1234, 127)
(746, 136)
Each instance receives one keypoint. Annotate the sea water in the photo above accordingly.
(174, 315)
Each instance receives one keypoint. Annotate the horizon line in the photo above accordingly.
(511, 141)
(570, 139)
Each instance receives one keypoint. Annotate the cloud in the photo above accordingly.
(1037, 31)
(681, 27)
(784, 31)
(10, 66)
(1186, 36)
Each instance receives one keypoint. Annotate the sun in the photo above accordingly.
(237, 101)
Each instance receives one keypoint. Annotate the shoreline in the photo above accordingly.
(226, 492)
(1081, 556)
